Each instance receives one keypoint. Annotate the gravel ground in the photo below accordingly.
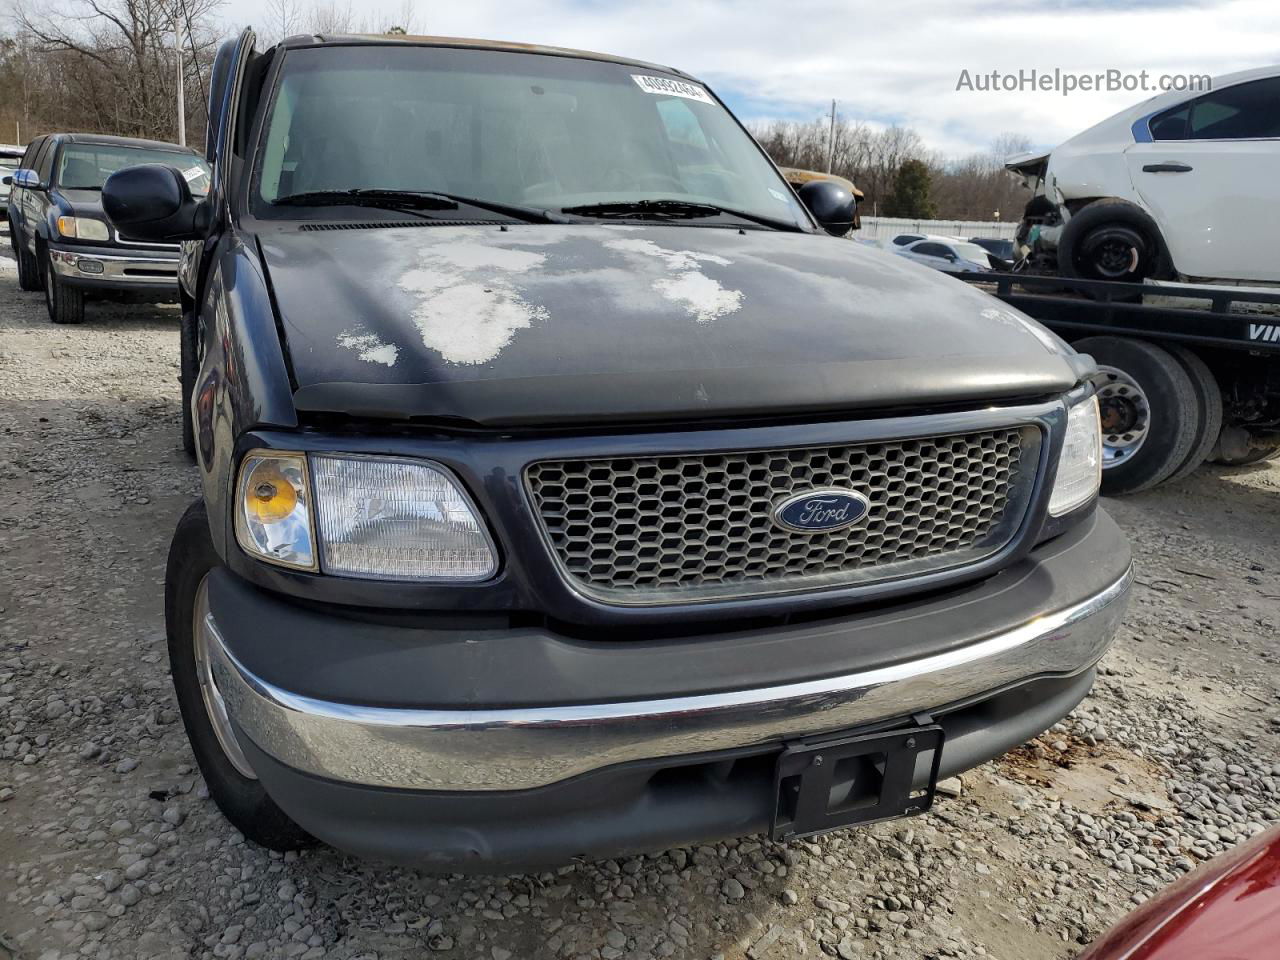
(110, 847)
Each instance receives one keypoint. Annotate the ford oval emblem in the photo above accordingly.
(821, 511)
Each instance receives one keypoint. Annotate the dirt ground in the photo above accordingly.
(109, 846)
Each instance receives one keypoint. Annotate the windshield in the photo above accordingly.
(86, 166)
(542, 132)
(970, 251)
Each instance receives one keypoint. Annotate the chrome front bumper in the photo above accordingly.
(90, 266)
(513, 749)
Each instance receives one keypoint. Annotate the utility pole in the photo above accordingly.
(831, 139)
(182, 104)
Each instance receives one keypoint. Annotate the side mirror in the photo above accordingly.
(832, 205)
(26, 177)
(952, 257)
(6, 180)
(153, 202)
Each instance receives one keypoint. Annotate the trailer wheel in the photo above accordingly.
(1210, 396)
(1151, 414)
(1238, 446)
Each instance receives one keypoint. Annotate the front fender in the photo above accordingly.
(242, 382)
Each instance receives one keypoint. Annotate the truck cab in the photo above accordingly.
(570, 489)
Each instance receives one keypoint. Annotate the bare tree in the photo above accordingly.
(111, 65)
(975, 187)
(334, 17)
(404, 20)
(284, 18)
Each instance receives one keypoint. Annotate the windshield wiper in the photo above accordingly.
(382, 199)
(412, 200)
(670, 210)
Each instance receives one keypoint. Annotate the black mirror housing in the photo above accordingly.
(153, 201)
(832, 205)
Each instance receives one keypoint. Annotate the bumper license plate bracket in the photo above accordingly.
(821, 786)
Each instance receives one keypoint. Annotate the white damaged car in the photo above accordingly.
(1183, 186)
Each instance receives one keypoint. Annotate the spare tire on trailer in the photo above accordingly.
(1115, 240)
(1151, 413)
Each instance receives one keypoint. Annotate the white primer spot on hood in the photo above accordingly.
(702, 296)
(468, 305)
(370, 348)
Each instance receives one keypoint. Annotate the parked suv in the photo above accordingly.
(62, 240)
(569, 491)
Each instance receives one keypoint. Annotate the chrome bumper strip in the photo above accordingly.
(162, 271)
(520, 748)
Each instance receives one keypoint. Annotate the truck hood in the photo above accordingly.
(84, 203)
(544, 324)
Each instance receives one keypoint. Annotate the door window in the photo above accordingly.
(1246, 111)
(33, 148)
(44, 162)
(931, 250)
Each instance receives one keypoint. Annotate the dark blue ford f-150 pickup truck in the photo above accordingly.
(570, 490)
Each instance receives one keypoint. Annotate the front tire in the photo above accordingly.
(187, 369)
(232, 785)
(28, 266)
(1151, 414)
(1112, 240)
(64, 302)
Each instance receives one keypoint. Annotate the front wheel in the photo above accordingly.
(28, 267)
(1112, 240)
(188, 367)
(227, 771)
(64, 302)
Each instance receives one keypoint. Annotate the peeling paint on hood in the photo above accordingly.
(370, 348)
(701, 295)
(557, 323)
(468, 299)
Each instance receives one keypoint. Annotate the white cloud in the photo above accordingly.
(887, 62)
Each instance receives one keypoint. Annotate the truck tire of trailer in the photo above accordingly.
(1163, 414)
(1153, 415)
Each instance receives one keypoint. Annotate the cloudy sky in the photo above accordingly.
(884, 61)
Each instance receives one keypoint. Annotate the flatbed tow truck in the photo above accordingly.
(1189, 373)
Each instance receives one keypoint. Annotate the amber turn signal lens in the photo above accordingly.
(269, 496)
(273, 517)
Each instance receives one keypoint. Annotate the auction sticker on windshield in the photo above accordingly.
(666, 86)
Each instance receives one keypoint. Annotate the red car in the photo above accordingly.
(1226, 909)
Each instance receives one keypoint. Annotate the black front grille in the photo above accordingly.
(662, 529)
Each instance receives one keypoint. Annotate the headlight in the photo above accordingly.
(1080, 463)
(397, 519)
(273, 519)
(83, 228)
